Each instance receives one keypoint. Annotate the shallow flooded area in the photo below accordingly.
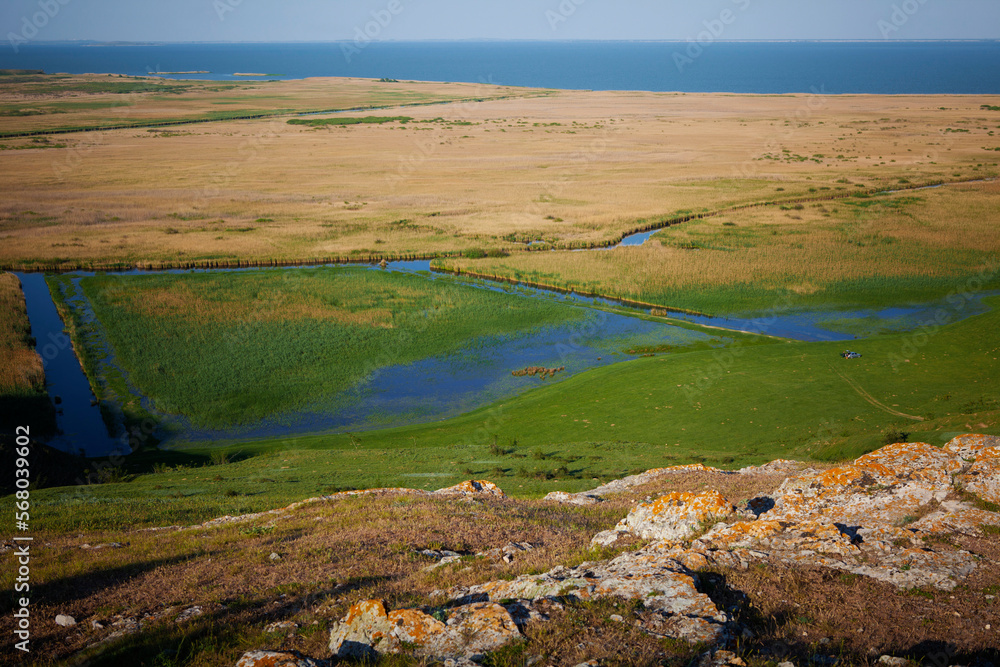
(487, 370)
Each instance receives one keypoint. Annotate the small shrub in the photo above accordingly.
(497, 450)
(219, 457)
(892, 436)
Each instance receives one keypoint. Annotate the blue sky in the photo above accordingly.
(322, 20)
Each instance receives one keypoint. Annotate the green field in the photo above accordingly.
(227, 349)
(348, 120)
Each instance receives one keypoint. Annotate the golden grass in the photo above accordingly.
(21, 370)
(180, 300)
(572, 168)
(945, 232)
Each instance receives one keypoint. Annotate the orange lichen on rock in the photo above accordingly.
(709, 503)
(367, 631)
(842, 476)
(914, 460)
(363, 628)
(473, 487)
(969, 446)
(626, 483)
(671, 517)
(414, 626)
(983, 477)
(663, 584)
(865, 517)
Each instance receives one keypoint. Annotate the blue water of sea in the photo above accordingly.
(732, 67)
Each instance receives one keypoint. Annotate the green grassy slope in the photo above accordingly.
(791, 400)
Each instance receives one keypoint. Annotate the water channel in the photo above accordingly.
(437, 387)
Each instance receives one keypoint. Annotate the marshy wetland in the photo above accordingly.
(750, 223)
(277, 290)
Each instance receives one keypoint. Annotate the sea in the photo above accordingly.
(949, 67)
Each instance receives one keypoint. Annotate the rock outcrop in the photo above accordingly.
(873, 517)
(275, 659)
(467, 631)
(878, 516)
(469, 488)
(657, 474)
(626, 483)
(671, 517)
(667, 589)
(983, 477)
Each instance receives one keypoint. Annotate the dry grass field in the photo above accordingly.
(20, 366)
(22, 377)
(571, 168)
(913, 245)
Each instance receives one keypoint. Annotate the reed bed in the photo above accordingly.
(24, 400)
(21, 372)
(860, 251)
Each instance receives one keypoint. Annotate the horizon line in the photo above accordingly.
(125, 42)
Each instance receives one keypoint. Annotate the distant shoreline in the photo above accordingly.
(821, 67)
(531, 41)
